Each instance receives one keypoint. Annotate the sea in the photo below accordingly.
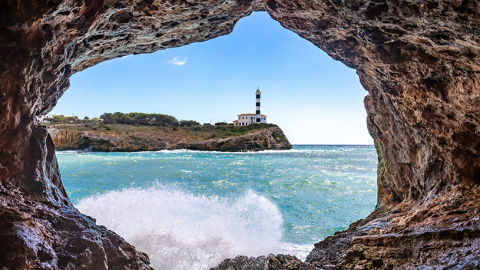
(192, 209)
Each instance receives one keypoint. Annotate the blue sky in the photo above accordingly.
(313, 98)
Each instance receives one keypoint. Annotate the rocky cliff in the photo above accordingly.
(269, 138)
(418, 60)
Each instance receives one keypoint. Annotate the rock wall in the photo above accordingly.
(418, 60)
(271, 138)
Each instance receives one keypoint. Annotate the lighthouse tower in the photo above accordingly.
(245, 119)
(257, 112)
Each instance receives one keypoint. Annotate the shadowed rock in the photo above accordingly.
(270, 262)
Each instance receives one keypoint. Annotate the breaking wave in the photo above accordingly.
(179, 230)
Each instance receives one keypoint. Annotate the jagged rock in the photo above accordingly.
(270, 138)
(270, 262)
(418, 60)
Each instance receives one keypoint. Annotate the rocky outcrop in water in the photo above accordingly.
(418, 60)
(270, 138)
(263, 263)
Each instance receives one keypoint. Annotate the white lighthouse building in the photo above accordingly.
(252, 118)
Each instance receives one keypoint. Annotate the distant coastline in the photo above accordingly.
(101, 137)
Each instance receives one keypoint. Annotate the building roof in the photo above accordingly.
(246, 114)
(235, 121)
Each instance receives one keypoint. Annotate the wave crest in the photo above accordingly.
(179, 230)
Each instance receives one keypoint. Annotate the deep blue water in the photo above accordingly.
(193, 208)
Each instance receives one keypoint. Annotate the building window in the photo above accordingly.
(258, 103)
(258, 119)
(258, 96)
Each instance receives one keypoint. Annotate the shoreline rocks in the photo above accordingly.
(269, 138)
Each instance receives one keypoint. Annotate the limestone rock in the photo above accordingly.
(270, 138)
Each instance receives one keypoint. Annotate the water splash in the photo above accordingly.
(179, 230)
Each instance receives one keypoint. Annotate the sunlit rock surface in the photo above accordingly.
(418, 60)
(67, 137)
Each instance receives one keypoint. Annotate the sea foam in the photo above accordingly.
(179, 230)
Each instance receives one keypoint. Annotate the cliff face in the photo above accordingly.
(418, 60)
(271, 138)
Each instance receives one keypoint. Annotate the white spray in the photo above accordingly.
(179, 230)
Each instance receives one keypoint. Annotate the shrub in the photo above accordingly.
(136, 118)
(189, 123)
(277, 136)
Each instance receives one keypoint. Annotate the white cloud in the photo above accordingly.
(175, 61)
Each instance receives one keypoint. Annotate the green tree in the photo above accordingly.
(189, 123)
(136, 118)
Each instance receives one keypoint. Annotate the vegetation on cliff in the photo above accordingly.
(205, 131)
(132, 118)
(135, 118)
(142, 135)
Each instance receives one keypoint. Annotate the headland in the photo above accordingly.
(130, 138)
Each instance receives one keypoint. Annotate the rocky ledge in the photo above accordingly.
(442, 234)
(418, 60)
(68, 138)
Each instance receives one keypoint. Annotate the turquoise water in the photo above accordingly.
(192, 209)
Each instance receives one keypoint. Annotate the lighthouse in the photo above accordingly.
(246, 119)
(257, 104)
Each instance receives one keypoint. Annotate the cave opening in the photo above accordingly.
(219, 75)
(210, 82)
(418, 62)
